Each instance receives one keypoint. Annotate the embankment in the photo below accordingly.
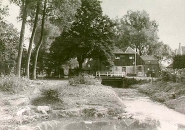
(170, 93)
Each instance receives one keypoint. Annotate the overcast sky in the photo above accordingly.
(169, 14)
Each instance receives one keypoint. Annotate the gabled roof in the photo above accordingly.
(129, 50)
(149, 59)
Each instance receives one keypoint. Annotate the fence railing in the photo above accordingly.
(111, 74)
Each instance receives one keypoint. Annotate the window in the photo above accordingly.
(131, 57)
(117, 57)
(123, 69)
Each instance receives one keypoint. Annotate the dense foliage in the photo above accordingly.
(8, 47)
(179, 62)
(138, 31)
(13, 84)
(177, 75)
(90, 36)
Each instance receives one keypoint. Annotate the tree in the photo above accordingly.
(50, 32)
(90, 36)
(8, 47)
(161, 51)
(3, 11)
(24, 6)
(138, 31)
(53, 12)
(40, 41)
(32, 38)
(179, 62)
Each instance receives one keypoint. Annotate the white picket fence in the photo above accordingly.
(111, 74)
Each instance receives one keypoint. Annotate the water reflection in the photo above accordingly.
(127, 124)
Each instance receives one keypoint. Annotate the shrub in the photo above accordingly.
(13, 84)
(83, 79)
(48, 96)
(51, 94)
(132, 81)
(173, 75)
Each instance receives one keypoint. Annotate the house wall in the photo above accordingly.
(127, 60)
(138, 70)
(151, 68)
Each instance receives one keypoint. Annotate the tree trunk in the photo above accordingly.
(21, 42)
(31, 40)
(40, 42)
(80, 60)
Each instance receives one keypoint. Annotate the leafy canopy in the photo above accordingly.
(138, 31)
(90, 35)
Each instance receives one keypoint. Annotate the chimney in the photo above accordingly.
(179, 50)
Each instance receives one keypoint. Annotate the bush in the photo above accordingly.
(51, 94)
(13, 84)
(83, 79)
(48, 96)
(173, 75)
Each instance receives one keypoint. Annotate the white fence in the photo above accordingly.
(111, 74)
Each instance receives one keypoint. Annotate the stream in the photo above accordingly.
(146, 114)
(143, 108)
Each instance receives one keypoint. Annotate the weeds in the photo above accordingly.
(51, 94)
(83, 79)
(13, 84)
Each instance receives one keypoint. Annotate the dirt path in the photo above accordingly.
(143, 108)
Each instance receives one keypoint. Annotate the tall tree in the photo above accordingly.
(50, 32)
(8, 46)
(59, 13)
(24, 6)
(90, 35)
(161, 51)
(32, 38)
(40, 41)
(138, 31)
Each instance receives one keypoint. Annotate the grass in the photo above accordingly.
(13, 84)
(170, 93)
(93, 100)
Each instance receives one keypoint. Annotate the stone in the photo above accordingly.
(44, 109)
(19, 101)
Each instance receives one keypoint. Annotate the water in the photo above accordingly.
(149, 115)
(142, 108)
(146, 115)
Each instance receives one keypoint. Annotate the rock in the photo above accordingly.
(25, 128)
(44, 109)
(36, 91)
(24, 111)
(19, 101)
(125, 116)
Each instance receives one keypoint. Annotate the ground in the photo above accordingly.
(28, 108)
(170, 93)
(85, 101)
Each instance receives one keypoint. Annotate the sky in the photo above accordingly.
(169, 14)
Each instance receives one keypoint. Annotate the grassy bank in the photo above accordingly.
(34, 101)
(170, 93)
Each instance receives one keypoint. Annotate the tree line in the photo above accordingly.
(63, 30)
